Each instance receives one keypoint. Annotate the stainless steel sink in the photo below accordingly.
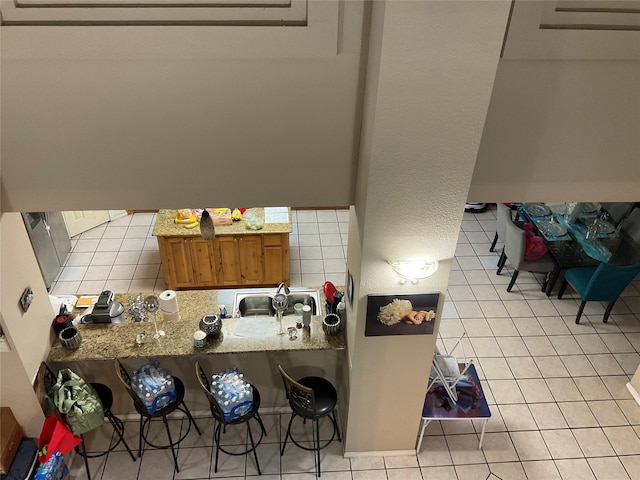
(259, 303)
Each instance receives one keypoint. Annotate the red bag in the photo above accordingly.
(55, 437)
(535, 247)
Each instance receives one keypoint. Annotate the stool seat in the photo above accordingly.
(326, 398)
(105, 394)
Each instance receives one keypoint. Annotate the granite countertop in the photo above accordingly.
(109, 341)
(166, 227)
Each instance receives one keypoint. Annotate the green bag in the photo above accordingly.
(77, 401)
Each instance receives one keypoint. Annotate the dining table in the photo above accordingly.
(569, 241)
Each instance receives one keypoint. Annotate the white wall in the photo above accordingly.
(99, 118)
(28, 333)
(431, 68)
(561, 131)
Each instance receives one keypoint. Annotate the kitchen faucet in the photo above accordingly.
(286, 288)
(279, 303)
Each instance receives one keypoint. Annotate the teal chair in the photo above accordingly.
(603, 283)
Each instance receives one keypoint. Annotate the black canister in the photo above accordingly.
(61, 322)
(337, 298)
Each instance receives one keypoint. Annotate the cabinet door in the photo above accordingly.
(178, 253)
(251, 268)
(203, 257)
(227, 261)
(276, 258)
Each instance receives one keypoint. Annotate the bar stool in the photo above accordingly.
(221, 423)
(311, 398)
(145, 416)
(49, 378)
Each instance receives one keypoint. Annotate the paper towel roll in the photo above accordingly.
(171, 316)
(168, 303)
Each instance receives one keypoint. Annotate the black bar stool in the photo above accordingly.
(145, 416)
(221, 423)
(49, 378)
(311, 398)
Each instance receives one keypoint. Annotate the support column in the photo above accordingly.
(429, 78)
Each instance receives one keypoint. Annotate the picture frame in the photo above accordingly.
(350, 288)
(401, 314)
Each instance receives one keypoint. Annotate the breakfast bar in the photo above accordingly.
(311, 352)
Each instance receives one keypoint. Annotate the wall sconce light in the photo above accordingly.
(414, 270)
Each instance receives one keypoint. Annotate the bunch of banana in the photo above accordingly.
(186, 217)
(236, 214)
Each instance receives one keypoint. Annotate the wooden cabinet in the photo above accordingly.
(226, 261)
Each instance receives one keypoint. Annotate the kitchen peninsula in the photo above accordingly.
(311, 352)
(236, 257)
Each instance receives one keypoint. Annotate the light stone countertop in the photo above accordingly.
(109, 341)
(166, 227)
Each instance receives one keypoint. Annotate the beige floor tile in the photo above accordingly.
(513, 346)
(498, 447)
(510, 470)
(373, 463)
(542, 469)
(606, 364)
(632, 466)
(631, 410)
(565, 345)
(527, 326)
(486, 347)
(372, 475)
(608, 413)
(502, 327)
(592, 388)
(564, 389)
(539, 346)
(517, 417)
(591, 344)
(402, 474)
(535, 390)
(608, 467)
(551, 366)
(435, 452)
(495, 368)
(477, 327)
(593, 442)
(505, 391)
(617, 386)
(434, 473)
(623, 439)
(464, 449)
(530, 446)
(401, 461)
(195, 462)
(472, 472)
(578, 365)
(574, 469)
(561, 443)
(578, 414)
(548, 416)
(523, 367)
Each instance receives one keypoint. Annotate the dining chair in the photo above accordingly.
(447, 369)
(503, 215)
(603, 283)
(514, 249)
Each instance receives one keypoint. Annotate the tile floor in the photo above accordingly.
(560, 408)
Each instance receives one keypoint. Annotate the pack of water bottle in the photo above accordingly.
(154, 386)
(232, 392)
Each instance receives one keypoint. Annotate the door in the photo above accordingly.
(251, 268)
(81, 221)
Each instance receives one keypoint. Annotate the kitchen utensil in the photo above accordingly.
(210, 324)
(331, 324)
(199, 338)
(70, 338)
(306, 315)
(279, 303)
(329, 289)
(61, 322)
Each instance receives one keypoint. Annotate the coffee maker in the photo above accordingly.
(106, 310)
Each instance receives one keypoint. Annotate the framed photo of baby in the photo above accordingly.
(408, 314)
